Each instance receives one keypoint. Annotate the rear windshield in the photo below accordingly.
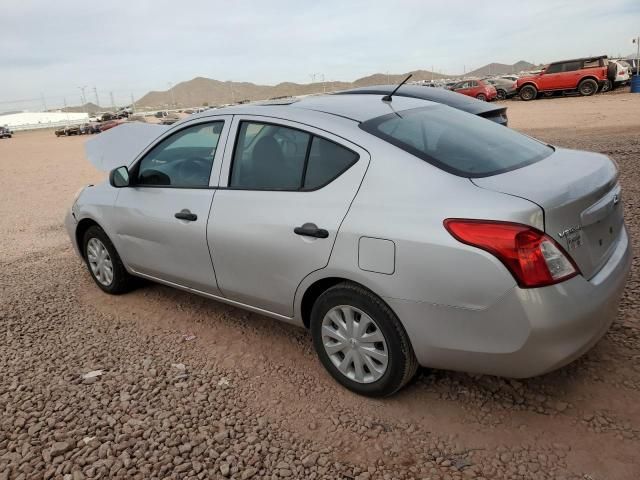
(456, 141)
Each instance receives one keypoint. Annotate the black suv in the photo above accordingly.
(5, 132)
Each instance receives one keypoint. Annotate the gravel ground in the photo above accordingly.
(192, 388)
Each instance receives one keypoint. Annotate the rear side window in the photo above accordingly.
(274, 157)
(327, 160)
(572, 66)
(592, 63)
(456, 141)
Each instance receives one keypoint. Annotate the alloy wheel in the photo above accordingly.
(100, 261)
(355, 344)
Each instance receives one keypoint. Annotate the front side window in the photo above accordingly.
(184, 159)
(275, 157)
(554, 68)
(456, 141)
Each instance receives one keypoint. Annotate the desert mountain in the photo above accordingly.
(501, 69)
(201, 90)
(86, 108)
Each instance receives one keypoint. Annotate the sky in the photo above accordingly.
(51, 48)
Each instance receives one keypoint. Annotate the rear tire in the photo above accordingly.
(117, 280)
(502, 95)
(587, 87)
(392, 363)
(606, 86)
(528, 92)
(482, 97)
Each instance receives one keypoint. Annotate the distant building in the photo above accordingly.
(41, 119)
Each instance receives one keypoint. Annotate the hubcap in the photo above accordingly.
(100, 261)
(355, 344)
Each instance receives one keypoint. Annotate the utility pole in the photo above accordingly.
(431, 73)
(173, 98)
(113, 104)
(637, 42)
(133, 104)
(95, 91)
(83, 97)
(64, 102)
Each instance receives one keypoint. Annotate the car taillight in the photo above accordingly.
(533, 258)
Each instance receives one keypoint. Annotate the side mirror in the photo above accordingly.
(119, 177)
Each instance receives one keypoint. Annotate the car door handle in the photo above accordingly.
(311, 230)
(186, 215)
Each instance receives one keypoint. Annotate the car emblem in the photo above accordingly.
(569, 231)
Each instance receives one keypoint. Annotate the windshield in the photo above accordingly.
(457, 142)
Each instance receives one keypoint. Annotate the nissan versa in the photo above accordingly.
(399, 231)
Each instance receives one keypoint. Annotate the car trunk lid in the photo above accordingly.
(580, 196)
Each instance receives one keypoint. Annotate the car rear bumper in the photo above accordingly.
(526, 333)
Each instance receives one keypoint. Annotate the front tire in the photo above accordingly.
(587, 87)
(361, 342)
(502, 94)
(528, 92)
(482, 97)
(104, 263)
(606, 86)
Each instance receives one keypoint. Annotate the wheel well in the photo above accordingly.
(588, 78)
(82, 227)
(528, 84)
(315, 290)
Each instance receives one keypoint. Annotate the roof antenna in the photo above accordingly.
(387, 98)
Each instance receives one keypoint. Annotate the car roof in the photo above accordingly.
(358, 108)
(437, 95)
(583, 59)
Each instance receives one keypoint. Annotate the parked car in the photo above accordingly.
(170, 119)
(89, 128)
(496, 113)
(106, 116)
(477, 89)
(68, 130)
(618, 77)
(103, 126)
(161, 114)
(585, 75)
(504, 88)
(401, 233)
(513, 78)
(5, 132)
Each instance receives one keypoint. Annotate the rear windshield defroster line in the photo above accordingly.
(457, 142)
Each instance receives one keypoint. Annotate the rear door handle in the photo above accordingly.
(311, 230)
(186, 215)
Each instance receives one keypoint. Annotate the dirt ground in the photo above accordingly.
(246, 398)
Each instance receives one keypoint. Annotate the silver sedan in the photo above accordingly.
(400, 232)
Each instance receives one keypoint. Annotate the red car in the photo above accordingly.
(476, 89)
(585, 75)
(107, 125)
